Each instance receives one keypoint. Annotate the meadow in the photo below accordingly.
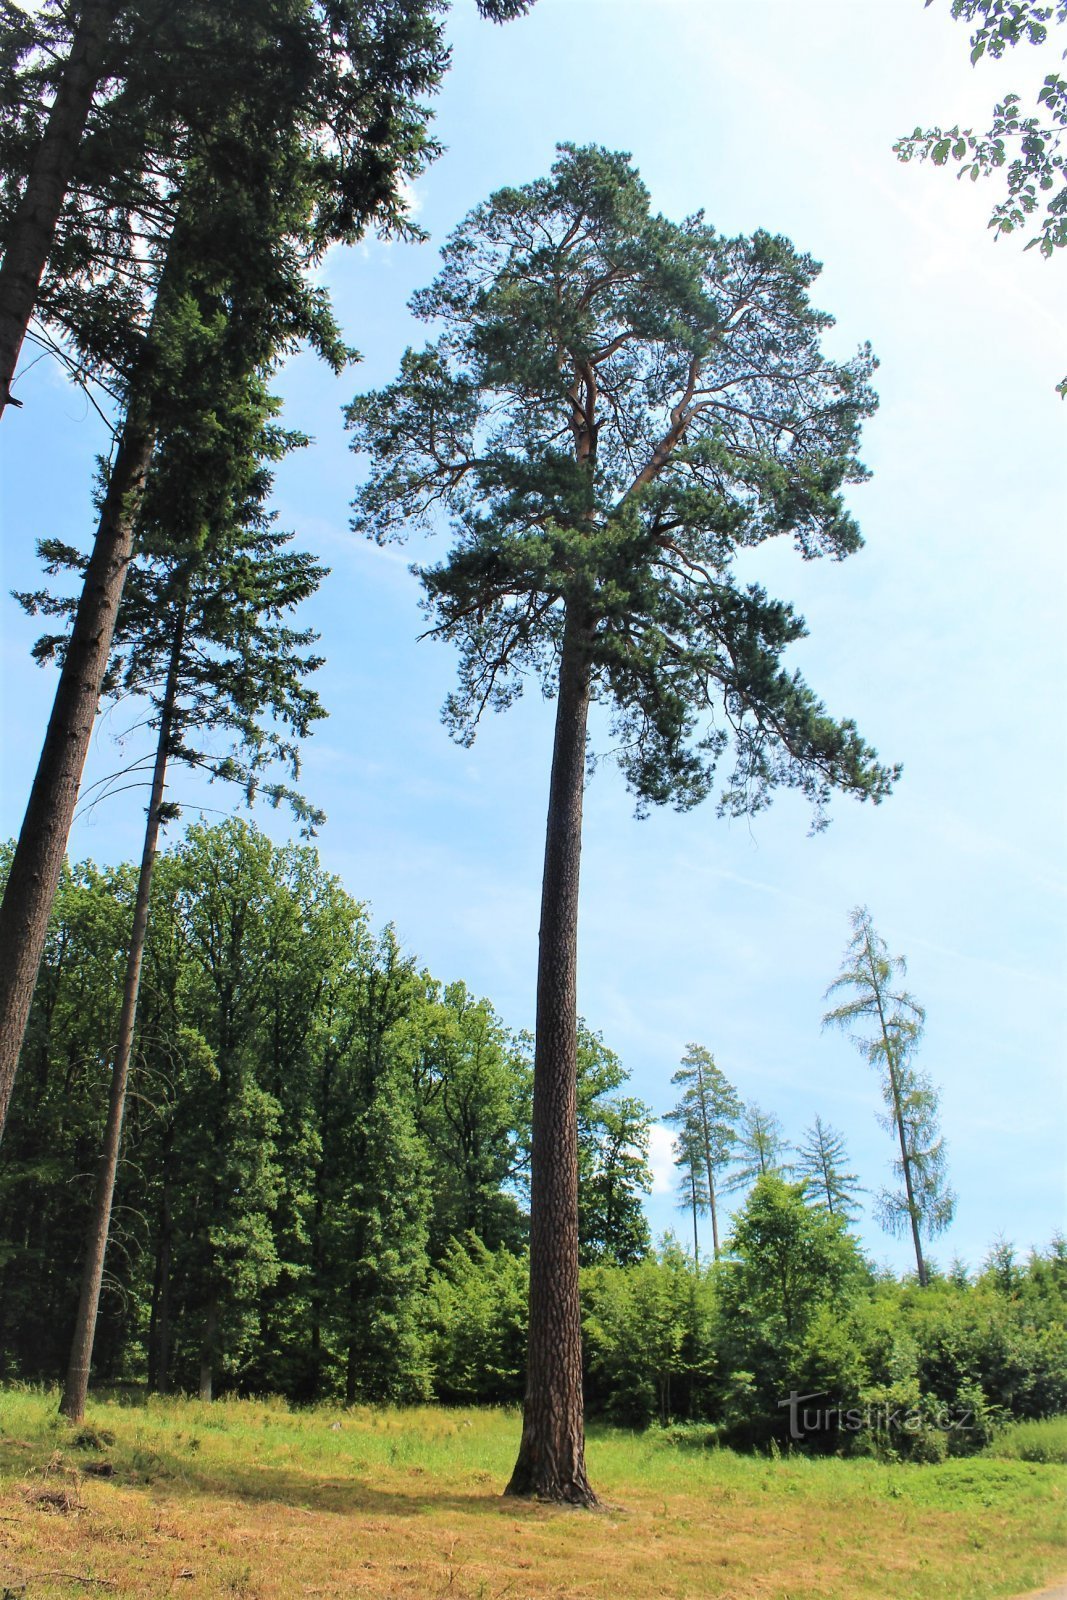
(252, 1499)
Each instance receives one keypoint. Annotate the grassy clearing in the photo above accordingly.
(249, 1499)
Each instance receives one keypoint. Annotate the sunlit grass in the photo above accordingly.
(253, 1499)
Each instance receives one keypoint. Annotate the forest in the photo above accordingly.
(293, 1064)
(254, 1153)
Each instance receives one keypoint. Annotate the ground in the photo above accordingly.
(249, 1499)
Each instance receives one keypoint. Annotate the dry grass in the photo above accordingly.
(245, 1499)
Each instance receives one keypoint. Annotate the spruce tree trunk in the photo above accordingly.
(551, 1461)
(34, 224)
(38, 859)
(76, 1389)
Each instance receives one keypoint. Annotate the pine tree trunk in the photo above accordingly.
(76, 1389)
(708, 1162)
(34, 224)
(551, 1461)
(38, 858)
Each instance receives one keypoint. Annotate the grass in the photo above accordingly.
(1032, 1441)
(249, 1499)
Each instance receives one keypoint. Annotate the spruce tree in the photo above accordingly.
(202, 633)
(614, 406)
(298, 135)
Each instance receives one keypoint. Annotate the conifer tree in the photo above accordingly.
(822, 1166)
(924, 1203)
(713, 1105)
(614, 406)
(28, 238)
(760, 1150)
(691, 1161)
(298, 134)
(202, 633)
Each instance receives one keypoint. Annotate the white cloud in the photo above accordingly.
(661, 1158)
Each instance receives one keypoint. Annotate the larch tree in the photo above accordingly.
(885, 1022)
(760, 1150)
(713, 1104)
(613, 407)
(822, 1167)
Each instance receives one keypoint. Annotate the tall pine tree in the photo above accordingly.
(614, 406)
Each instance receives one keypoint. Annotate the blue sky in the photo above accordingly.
(944, 637)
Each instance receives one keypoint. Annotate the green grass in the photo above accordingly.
(252, 1499)
(1044, 1441)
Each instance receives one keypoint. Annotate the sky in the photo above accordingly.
(944, 637)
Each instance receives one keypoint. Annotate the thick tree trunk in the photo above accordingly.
(42, 843)
(72, 1404)
(34, 224)
(551, 1461)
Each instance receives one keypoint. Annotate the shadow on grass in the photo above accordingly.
(176, 1473)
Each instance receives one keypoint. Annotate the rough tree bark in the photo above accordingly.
(76, 1388)
(42, 842)
(34, 224)
(551, 1460)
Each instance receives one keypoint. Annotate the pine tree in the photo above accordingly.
(614, 406)
(691, 1161)
(925, 1203)
(713, 1105)
(821, 1165)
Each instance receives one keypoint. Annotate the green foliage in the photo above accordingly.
(614, 407)
(477, 1323)
(706, 1115)
(312, 1120)
(759, 1151)
(1023, 145)
(784, 1264)
(648, 1338)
